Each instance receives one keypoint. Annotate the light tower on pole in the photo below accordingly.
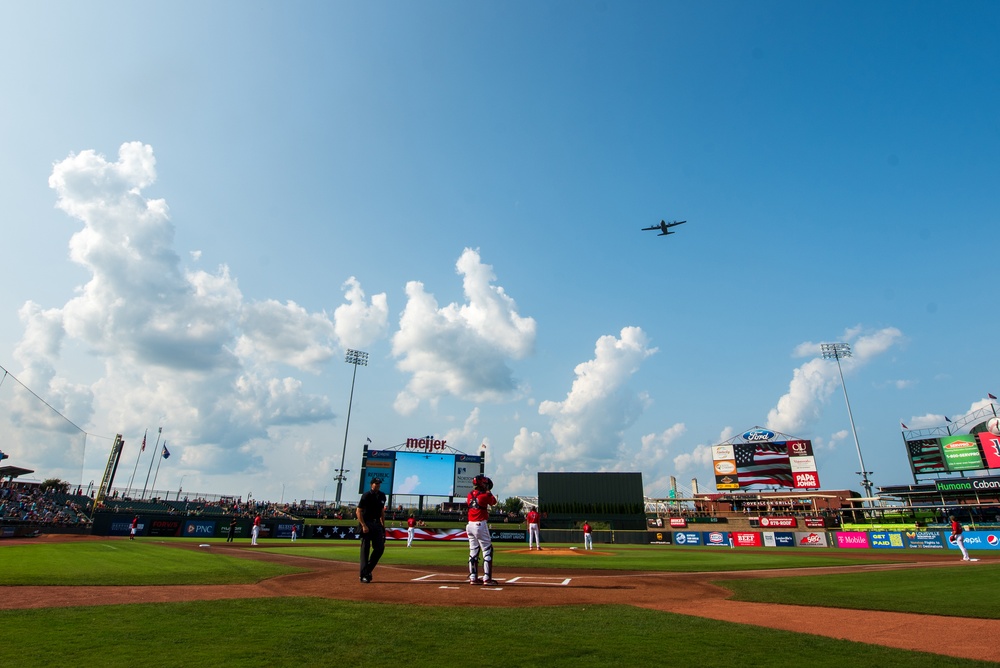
(355, 357)
(836, 351)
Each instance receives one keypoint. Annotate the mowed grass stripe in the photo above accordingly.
(964, 590)
(318, 632)
(125, 562)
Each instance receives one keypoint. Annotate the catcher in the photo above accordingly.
(480, 499)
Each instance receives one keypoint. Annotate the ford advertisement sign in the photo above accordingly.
(758, 434)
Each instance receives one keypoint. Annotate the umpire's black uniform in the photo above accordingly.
(371, 514)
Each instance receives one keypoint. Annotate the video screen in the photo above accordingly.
(421, 473)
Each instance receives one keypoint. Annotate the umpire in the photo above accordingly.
(371, 515)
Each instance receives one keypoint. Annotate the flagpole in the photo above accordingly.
(128, 492)
(158, 461)
(159, 431)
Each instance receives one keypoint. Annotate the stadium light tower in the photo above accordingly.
(354, 357)
(835, 351)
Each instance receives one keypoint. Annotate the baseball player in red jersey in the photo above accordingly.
(588, 538)
(533, 528)
(411, 523)
(480, 499)
(958, 539)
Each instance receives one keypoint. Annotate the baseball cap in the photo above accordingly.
(376, 481)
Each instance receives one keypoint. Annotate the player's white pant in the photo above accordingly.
(533, 535)
(960, 541)
(253, 535)
(480, 543)
(409, 536)
(588, 541)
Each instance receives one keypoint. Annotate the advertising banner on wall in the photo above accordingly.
(892, 540)
(164, 528)
(284, 529)
(811, 539)
(852, 539)
(784, 522)
(961, 453)
(659, 538)
(747, 539)
(979, 540)
(715, 538)
(687, 538)
(199, 528)
(919, 540)
(778, 538)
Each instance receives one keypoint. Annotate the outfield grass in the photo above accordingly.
(960, 591)
(317, 632)
(125, 562)
(609, 557)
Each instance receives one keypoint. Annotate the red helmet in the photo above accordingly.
(482, 482)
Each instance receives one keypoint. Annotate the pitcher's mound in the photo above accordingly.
(562, 552)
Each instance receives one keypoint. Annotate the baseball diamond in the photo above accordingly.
(692, 594)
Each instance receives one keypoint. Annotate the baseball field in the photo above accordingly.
(155, 602)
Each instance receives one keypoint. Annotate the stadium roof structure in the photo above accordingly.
(13, 471)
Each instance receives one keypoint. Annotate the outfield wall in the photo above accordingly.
(119, 524)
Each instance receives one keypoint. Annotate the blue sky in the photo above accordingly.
(205, 205)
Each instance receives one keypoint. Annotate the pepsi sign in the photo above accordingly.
(979, 540)
(757, 435)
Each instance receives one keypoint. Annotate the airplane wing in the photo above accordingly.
(676, 222)
(654, 227)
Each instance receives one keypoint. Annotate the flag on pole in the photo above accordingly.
(904, 426)
(166, 453)
(368, 440)
(946, 419)
(143, 448)
(990, 396)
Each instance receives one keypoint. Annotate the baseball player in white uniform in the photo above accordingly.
(480, 543)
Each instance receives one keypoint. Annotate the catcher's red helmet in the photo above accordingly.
(482, 482)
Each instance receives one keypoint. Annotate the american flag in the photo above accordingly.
(763, 464)
(925, 455)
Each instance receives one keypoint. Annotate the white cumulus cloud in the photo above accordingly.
(461, 350)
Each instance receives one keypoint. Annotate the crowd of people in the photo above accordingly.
(32, 505)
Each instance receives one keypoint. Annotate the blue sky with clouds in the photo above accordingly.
(205, 205)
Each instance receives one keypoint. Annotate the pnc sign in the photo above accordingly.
(428, 444)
